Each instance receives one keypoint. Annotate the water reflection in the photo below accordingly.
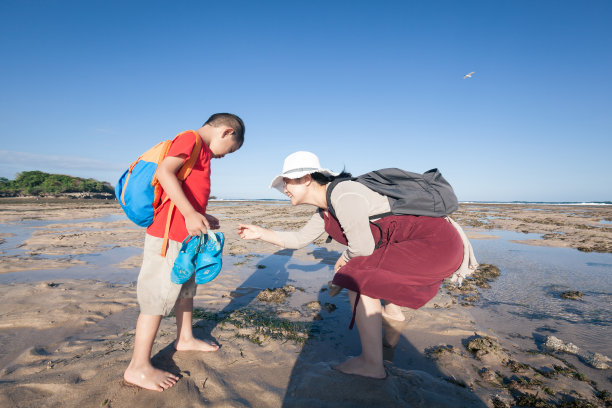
(527, 294)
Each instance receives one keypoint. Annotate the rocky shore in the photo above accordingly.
(66, 342)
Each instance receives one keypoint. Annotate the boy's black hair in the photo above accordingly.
(322, 179)
(231, 120)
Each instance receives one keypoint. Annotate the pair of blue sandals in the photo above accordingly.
(200, 255)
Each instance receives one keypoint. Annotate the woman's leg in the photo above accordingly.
(183, 309)
(393, 321)
(393, 311)
(369, 324)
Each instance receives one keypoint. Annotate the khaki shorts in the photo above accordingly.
(156, 292)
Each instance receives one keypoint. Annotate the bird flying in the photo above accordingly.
(468, 75)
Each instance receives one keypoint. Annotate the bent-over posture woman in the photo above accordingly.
(400, 260)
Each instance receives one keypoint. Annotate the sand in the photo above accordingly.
(66, 342)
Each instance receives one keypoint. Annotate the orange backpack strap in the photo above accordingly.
(163, 152)
(188, 166)
(164, 248)
(181, 175)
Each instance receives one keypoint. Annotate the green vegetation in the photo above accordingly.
(34, 183)
(258, 326)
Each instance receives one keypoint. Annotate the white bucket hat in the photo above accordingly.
(298, 165)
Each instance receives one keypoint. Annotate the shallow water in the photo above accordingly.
(100, 266)
(525, 299)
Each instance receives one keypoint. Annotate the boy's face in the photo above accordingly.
(223, 143)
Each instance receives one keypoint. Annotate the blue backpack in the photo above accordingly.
(138, 190)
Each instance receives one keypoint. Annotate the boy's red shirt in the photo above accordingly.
(196, 188)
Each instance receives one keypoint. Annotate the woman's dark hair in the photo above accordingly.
(322, 179)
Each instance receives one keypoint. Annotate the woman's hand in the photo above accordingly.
(339, 263)
(335, 289)
(247, 231)
(213, 222)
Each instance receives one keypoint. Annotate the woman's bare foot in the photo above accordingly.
(358, 366)
(149, 377)
(194, 344)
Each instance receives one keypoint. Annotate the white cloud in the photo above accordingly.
(62, 162)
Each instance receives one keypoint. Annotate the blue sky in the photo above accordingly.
(87, 86)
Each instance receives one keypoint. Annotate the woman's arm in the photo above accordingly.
(286, 239)
(248, 231)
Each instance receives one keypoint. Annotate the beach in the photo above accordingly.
(524, 338)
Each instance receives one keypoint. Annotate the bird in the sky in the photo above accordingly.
(468, 75)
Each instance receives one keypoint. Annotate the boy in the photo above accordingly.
(222, 133)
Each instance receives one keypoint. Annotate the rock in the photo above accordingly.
(330, 307)
(546, 371)
(555, 344)
(277, 295)
(572, 295)
(313, 305)
(489, 375)
(595, 360)
(435, 352)
(482, 345)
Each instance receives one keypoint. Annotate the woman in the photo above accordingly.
(400, 260)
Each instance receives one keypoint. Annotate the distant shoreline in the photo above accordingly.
(539, 202)
(106, 196)
(62, 196)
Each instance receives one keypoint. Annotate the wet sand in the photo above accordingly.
(66, 342)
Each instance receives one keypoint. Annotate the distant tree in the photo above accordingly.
(37, 182)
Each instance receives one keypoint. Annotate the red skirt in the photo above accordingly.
(416, 253)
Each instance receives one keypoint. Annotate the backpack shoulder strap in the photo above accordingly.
(181, 175)
(330, 188)
(331, 211)
(183, 172)
(188, 166)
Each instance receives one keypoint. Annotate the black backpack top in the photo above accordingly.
(408, 193)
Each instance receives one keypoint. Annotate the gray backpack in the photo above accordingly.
(408, 193)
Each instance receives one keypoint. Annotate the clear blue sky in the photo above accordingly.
(86, 86)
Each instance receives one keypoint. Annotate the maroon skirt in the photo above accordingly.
(414, 255)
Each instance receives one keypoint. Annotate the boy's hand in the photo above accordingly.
(213, 222)
(196, 223)
(247, 231)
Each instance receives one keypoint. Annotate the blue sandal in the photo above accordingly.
(209, 259)
(184, 264)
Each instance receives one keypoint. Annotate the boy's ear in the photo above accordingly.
(228, 131)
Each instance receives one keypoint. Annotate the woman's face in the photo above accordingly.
(296, 189)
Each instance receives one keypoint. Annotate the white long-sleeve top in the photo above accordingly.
(353, 204)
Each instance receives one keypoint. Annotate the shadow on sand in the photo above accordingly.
(314, 383)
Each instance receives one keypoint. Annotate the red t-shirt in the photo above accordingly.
(196, 188)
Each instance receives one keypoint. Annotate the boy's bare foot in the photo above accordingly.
(150, 378)
(358, 366)
(195, 345)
